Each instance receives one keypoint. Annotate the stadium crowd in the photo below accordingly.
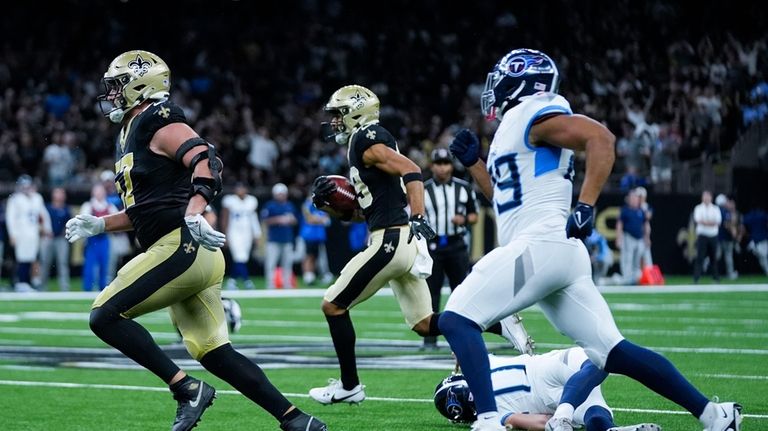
(253, 77)
(672, 83)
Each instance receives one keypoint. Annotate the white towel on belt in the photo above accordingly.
(422, 266)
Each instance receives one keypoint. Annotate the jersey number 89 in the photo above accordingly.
(506, 176)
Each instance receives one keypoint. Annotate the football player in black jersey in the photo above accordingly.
(166, 175)
(386, 183)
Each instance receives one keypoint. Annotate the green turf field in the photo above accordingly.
(54, 374)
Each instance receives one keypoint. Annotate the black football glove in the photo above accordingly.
(580, 222)
(466, 147)
(321, 189)
(420, 228)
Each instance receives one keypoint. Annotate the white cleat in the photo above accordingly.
(513, 330)
(721, 417)
(335, 393)
(639, 427)
(559, 424)
(487, 426)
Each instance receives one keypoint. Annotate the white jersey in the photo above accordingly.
(532, 184)
(26, 216)
(534, 384)
(242, 220)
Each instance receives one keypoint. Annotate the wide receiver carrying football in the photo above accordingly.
(336, 195)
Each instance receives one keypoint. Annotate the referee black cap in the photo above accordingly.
(441, 155)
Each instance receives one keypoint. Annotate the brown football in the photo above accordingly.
(343, 201)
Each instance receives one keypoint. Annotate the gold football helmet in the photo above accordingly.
(351, 106)
(131, 78)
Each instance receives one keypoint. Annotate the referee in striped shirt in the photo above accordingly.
(450, 209)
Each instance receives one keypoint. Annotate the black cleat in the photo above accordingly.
(193, 399)
(304, 422)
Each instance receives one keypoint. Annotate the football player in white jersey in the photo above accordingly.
(527, 389)
(540, 259)
(241, 224)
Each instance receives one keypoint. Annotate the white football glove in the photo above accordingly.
(203, 233)
(83, 226)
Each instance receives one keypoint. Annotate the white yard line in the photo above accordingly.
(318, 293)
(67, 385)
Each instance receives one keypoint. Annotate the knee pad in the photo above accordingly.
(198, 345)
(101, 318)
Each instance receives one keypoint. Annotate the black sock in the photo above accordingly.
(133, 340)
(343, 336)
(181, 383)
(247, 377)
(434, 330)
(291, 415)
(495, 328)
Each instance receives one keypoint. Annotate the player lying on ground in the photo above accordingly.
(527, 390)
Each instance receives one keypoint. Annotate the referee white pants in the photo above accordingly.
(554, 273)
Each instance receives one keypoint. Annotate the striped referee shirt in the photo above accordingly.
(443, 201)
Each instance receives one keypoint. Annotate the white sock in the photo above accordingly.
(709, 414)
(564, 410)
(492, 416)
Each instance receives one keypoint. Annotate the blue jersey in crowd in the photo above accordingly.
(633, 220)
(59, 217)
(756, 222)
(598, 246)
(723, 234)
(312, 232)
(279, 233)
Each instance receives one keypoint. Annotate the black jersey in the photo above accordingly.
(154, 189)
(380, 195)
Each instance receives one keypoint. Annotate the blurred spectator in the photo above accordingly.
(728, 234)
(631, 179)
(663, 155)
(601, 256)
(59, 160)
(647, 258)
(281, 216)
(55, 249)
(96, 259)
(240, 222)
(707, 217)
(312, 231)
(27, 221)
(256, 94)
(756, 225)
(632, 233)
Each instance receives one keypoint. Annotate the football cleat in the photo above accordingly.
(638, 427)
(335, 393)
(559, 424)
(513, 330)
(721, 417)
(487, 426)
(304, 422)
(193, 399)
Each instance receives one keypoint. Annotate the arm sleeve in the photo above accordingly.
(471, 201)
